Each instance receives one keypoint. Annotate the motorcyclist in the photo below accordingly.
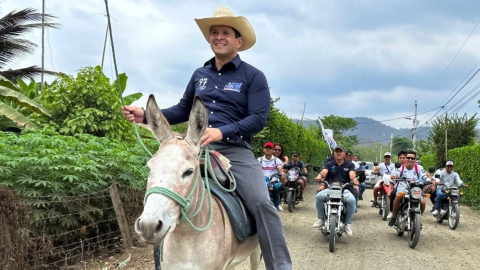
(363, 186)
(402, 159)
(271, 166)
(302, 180)
(349, 157)
(386, 167)
(449, 178)
(412, 172)
(338, 170)
(355, 190)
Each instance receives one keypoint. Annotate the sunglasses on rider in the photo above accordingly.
(278, 150)
(349, 155)
(411, 158)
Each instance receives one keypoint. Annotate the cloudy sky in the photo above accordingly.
(349, 58)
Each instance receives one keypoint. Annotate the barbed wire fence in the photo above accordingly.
(53, 232)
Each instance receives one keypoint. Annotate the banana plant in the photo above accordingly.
(12, 101)
(128, 100)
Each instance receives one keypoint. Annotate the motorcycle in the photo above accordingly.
(383, 200)
(450, 207)
(274, 186)
(409, 214)
(293, 188)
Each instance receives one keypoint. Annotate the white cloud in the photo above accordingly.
(304, 49)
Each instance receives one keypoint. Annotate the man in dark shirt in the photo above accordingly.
(237, 99)
(338, 170)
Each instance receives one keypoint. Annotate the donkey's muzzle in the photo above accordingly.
(149, 229)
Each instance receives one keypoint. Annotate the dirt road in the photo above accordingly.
(373, 245)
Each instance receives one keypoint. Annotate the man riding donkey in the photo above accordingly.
(237, 99)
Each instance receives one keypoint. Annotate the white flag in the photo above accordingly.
(327, 134)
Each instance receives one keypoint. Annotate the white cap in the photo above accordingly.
(449, 163)
(387, 154)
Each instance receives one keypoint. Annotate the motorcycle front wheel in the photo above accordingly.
(414, 232)
(333, 232)
(290, 200)
(380, 209)
(453, 216)
(386, 207)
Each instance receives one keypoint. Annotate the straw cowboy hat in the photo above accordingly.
(224, 16)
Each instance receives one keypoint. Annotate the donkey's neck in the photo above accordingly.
(202, 218)
(186, 237)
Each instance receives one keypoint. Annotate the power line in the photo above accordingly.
(466, 76)
(456, 93)
(468, 96)
(387, 139)
(450, 60)
(396, 118)
(455, 109)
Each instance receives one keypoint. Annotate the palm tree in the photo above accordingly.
(12, 47)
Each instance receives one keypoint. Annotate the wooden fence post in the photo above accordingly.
(121, 218)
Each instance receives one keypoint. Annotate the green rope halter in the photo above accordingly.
(185, 202)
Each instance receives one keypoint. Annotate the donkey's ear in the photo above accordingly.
(197, 122)
(157, 122)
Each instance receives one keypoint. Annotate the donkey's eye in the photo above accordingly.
(187, 173)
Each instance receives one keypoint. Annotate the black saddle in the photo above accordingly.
(243, 223)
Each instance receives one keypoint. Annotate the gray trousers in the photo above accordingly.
(251, 187)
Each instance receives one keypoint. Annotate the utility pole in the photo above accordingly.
(380, 156)
(415, 126)
(301, 121)
(303, 113)
(446, 149)
(43, 44)
(391, 142)
(104, 46)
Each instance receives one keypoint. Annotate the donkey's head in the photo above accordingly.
(173, 167)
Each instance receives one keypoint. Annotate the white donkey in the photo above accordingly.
(174, 168)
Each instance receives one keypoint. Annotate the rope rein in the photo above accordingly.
(118, 81)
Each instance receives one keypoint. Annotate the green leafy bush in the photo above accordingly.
(465, 159)
(44, 163)
(88, 103)
(466, 163)
(280, 129)
(428, 161)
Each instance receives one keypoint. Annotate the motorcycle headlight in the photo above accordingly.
(416, 193)
(291, 178)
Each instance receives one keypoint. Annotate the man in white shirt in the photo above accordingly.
(412, 172)
(449, 178)
(271, 166)
(386, 167)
